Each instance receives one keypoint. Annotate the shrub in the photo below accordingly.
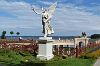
(63, 57)
(25, 53)
(93, 55)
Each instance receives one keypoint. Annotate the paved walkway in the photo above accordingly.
(97, 63)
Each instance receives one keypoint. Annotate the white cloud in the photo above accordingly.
(46, 2)
(73, 19)
(21, 10)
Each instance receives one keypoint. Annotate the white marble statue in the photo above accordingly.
(46, 17)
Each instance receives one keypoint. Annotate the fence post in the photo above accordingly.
(76, 51)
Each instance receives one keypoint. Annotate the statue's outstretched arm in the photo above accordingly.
(36, 12)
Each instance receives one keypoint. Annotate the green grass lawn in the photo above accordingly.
(12, 58)
(69, 62)
(73, 62)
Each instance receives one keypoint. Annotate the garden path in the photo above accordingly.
(97, 63)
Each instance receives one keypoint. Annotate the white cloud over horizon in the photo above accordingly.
(67, 19)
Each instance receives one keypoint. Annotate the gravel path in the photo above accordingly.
(97, 63)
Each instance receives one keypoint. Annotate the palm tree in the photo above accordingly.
(4, 32)
(18, 33)
(11, 32)
(3, 35)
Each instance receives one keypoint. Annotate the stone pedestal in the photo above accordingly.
(45, 48)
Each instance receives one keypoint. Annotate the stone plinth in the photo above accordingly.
(45, 48)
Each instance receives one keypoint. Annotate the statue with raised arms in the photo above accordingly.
(46, 17)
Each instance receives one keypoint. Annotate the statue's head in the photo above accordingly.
(44, 11)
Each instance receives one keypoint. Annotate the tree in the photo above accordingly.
(95, 36)
(3, 35)
(18, 33)
(11, 32)
(4, 32)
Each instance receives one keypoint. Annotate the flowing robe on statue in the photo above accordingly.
(47, 29)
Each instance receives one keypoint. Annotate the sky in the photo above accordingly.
(70, 18)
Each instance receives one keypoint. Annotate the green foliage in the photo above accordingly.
(3, 35)
(13, 58)
(9, 56)
(25, 53)
(11, 32)
(93, 55)
(4, 32)
(18, 33)
(58, 61)
(95, 36)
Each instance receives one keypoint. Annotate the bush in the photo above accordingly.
(63, 57)
(93, 55)
(95, 36)
(25, 53)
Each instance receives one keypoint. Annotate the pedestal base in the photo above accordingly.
(45, 48)
(41, 57)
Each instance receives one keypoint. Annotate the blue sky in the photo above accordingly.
(70, 18)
